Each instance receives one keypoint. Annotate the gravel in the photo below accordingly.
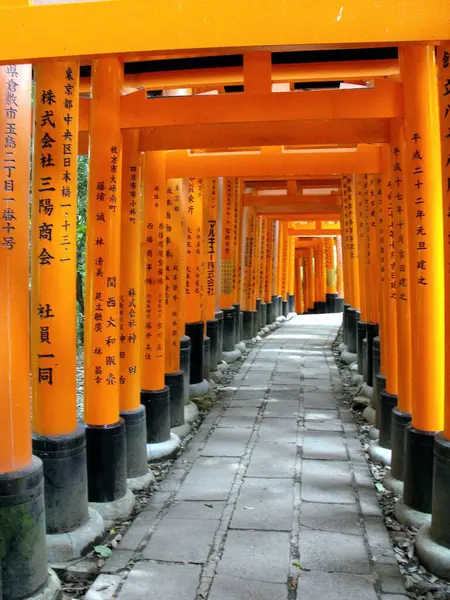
(420, 583)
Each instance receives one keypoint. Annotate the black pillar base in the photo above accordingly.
(229, 329)
(331, 303)
(65, 479)
(339, 305)
(247, 316)
(365, 373)
(419, 460)
(352, 327)
(345, 323)
(175, 383)
(212, 331)
(381, 386)
(258, 314)
(196, 332)
(387, 404)
(157, 408)
(262, 315)
(206, 358)
(255, 327)
(239, 326)
(219, 316)
(284, 308)
(320, 307)
(291, 303)
(106, 461)
(440, 522)
(185, 364)
(399, 423)
(136, 441)
(23, 553)
(376, 366)
(279, 306)
(371, 333)
(269, 313)
(361, 330)
(312, 311)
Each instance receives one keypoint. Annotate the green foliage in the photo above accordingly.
(82, 193)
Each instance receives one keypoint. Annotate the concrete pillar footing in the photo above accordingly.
(138, 484)
(435, 557)
(271, 327)
(342, 348)
(222, 366)
(51, 590)
(231, 356)
(281, 319)
(379, 454)
(369, 414)
(116, 509)
(198, 389)
(63, 547)
(409, 516)
(190, 412)
(241, 347)
(366, 391)
(393, 484)
(163, 450)
(181, 430)
(349, 357)
(217, 376)
(374, 433)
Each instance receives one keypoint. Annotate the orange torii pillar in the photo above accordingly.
(268, 283)
(237, 267)
(277, 268)
(247, 303)
(131, 409)
(155, 393)
(401, 413)
(193, 214)
(339, 303)
(23, 555)
(433, 540)
(174, 294)
(284, 270)
(384, 397)
(298, 283)
(363, 225)
(105, 429)
(425, 211)
(291, 286)
(214, 317)
(262, 267)
(228, 257)
(369, 329)
(255, 274)
(331, 289)
(310, 281)
(352, 285)
(320, 276)
(58, 440)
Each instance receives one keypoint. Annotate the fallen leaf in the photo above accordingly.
(103, 551)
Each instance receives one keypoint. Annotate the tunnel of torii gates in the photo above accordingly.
(240, 170)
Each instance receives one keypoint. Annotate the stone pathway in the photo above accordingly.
(272, 500)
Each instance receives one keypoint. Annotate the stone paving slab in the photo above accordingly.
(272, 498)
(272, 460)
(260, 555)
(264, 504)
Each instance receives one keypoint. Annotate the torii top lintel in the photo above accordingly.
(127, 26)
